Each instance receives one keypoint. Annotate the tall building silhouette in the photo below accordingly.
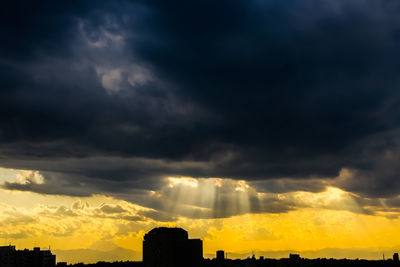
(220, 255)
(10, 257)
(171, 247)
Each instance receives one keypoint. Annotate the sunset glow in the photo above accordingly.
(315, 221)
(258, 126)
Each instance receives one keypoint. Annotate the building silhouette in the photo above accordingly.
(171, 247)
(220, 255)
(396, 257)
(294, 257)
(10, 257)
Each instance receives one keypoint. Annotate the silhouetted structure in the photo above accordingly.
(396, 257)
(261, 262)
(294, 257)
(10, 257)
(264, 263)
(171, 247)
(220, 255)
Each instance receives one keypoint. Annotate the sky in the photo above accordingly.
(259, 126)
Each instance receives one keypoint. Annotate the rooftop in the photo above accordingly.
(167, 232)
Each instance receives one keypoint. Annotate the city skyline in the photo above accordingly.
(257, 125)
(172, 247)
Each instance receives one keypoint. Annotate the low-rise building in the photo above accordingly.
(11, 257)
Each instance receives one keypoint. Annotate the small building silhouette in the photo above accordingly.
(171, 247)
(396, 257)
(294, 257)
(10, 257)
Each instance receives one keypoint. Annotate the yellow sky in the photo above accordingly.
(329, 219)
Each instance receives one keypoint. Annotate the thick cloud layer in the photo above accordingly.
(117, 96)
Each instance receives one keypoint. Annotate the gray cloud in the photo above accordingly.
(112, 209)
(112, 98)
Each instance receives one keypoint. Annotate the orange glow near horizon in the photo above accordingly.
(331, 219)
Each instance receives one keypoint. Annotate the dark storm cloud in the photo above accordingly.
(111, 97)
(283, 185)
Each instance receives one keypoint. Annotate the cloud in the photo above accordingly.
(17, 235)
(112, 209)
(59, 223)
(29, 177)
(205, 198)
(113, 98)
